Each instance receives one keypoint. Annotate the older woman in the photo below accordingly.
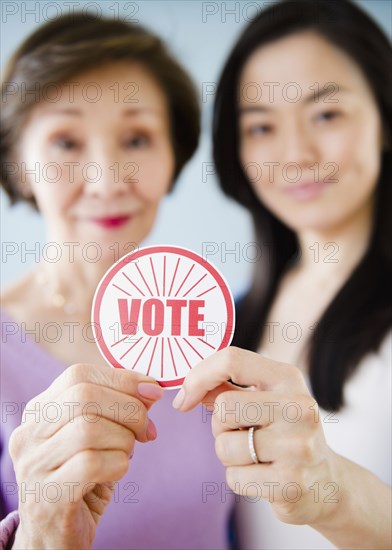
(115, 122)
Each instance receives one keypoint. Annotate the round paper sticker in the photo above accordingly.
(161, 310)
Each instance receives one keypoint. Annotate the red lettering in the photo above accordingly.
(153, 316)
(176, 306)
(128, 319)
(195, 317)
(150, 326)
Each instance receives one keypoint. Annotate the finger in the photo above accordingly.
(73, 438)
(91, 401)
(121, 380)
(242, 367)
(83, 470)
(232, 448)
(233, 410)
(258, 481)
(209, 400)
(210, 397)
(99, 497)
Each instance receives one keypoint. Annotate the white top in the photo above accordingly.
(361, 432)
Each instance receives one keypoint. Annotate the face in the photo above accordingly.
(104, 156)
(310, 132)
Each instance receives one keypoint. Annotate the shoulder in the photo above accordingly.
(382, 356)
(373, 376)
(385, 349)
(17, 297)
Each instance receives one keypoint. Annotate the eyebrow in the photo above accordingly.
(65, 111)
(313, 96)
(139, 110)
(77, 112)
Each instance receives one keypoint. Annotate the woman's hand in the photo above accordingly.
(298, 473)
(74, 442)
(302, 478)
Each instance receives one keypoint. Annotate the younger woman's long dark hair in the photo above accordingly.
(360, 315)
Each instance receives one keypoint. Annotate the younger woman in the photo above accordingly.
(302, 138)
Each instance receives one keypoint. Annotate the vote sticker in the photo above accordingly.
(161, 310)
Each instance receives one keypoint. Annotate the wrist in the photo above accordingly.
(361, 517)
(27, 541)
(336, 504)
(19, 541)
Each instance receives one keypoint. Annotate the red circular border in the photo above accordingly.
(148, 250)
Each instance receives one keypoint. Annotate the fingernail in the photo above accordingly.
(179, 399)
(150, 391)
(151, 430)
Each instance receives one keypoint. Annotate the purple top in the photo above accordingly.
(174, 494)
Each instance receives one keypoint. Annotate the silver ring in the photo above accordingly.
(251, 445)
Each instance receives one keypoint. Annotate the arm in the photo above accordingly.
(81, 457)
(362, 517)
(291, 453)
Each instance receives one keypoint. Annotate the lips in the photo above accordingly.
(111, 222)
(305, 191)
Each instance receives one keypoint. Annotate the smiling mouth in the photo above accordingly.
(111, 222)
(306, 191)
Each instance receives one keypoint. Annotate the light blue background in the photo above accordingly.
(196, 212)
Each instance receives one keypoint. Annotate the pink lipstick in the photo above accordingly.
(111, 222)
(305, 191)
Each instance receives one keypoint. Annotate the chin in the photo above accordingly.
(317, 221)
(315, 226)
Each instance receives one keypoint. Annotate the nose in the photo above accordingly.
(103, 174)
(298, 146)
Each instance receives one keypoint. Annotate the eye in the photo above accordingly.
(327, 115)
(258, 130)
(137, 141)
(65, 143)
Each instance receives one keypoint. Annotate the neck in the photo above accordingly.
(336, 252)
(72, 280)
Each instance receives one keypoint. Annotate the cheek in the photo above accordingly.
(357, 157)
(339, 149)
(255, 161)
(48, 180)
(53, 199)
(252, 156)
(55, 190)
(154, 176)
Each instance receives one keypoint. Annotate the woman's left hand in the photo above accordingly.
(298, 473)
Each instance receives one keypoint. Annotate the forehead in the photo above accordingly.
(304, 59)
(117, 85)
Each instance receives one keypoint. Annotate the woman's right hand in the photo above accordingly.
(73, 444)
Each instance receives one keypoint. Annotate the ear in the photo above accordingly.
(20, 178)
